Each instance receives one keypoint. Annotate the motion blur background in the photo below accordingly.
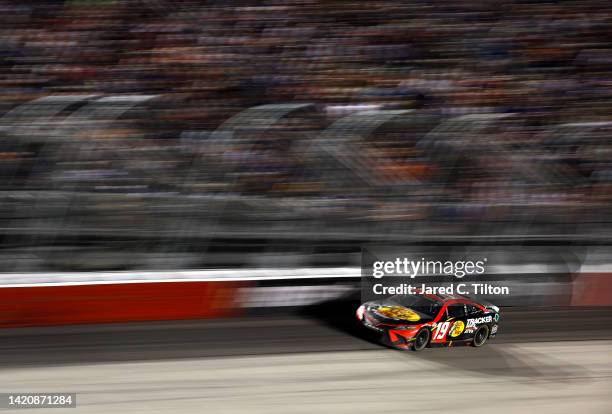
(204, 141)
(141, 180)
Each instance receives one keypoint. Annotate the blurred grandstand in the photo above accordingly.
(145, 134)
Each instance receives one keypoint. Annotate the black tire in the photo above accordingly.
(481, 336)
(421, 340)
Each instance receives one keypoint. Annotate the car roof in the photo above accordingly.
(447, 299)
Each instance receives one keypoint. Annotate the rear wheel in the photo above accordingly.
(421, 340)
(481, 336)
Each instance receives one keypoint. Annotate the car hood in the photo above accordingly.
(398, 313)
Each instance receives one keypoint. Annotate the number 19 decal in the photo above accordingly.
(441, 330)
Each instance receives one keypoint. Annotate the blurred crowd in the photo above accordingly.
(531, 81)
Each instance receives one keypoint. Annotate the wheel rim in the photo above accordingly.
(481, 336)
(420, 339)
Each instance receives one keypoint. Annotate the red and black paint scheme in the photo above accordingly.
(426, 320)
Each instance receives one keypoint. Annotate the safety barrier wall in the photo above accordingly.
(64, 298)
(115, 297)
(117, 302)
(592, 289)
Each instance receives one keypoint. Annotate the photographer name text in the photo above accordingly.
(459, 288)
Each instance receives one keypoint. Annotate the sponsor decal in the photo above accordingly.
(472, 323)
(496, 317)
(457, 329)
(494, 329)
(440, 330)
(453, 329)
(398, 312)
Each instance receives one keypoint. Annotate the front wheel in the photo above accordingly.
(421, 340)
(481, 336)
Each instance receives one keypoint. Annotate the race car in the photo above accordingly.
(425, 320)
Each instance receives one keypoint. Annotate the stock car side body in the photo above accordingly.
(424, 320)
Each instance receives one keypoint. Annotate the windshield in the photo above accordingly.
(417, 303)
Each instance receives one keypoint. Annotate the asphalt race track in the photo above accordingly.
(545, 362)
